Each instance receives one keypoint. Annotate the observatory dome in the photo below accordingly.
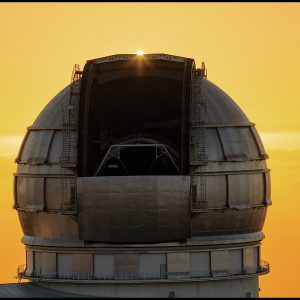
(140, 151)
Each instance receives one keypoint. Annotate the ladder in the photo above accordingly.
(70, 122)
(198, 147)
(68, 157)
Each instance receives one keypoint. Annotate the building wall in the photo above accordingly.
(145, 264)
(242, 288)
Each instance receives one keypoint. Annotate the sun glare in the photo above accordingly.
(140, 52)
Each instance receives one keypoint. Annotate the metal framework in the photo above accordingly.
(114, 151)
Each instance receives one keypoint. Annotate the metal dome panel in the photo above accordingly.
(221, 109)
(51, 117)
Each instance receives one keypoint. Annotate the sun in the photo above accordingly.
(140, 52)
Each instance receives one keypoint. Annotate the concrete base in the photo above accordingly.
(230, 288)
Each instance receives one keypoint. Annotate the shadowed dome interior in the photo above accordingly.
(136, 97)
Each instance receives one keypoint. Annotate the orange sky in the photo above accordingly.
(251, 51)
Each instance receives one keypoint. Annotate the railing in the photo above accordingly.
(23, 272)
(264, 267)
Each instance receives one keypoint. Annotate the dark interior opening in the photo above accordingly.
(136, 102)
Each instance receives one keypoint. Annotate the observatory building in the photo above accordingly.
(143, 179)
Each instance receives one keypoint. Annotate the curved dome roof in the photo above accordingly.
(51, 117)
(220, 107)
